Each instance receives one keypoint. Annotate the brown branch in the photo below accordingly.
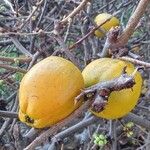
(4, 126)
(75, 11)
(18, 142)
(32, 134)
(8, 114)
(133, 22)
(82, 124)
(92, 31)
(135, 61)
(20, 47)
(116, 84)
(89, 33)
(54, 129)
(138, 120)
(110, 41)
(13, 60)
(66, 50)
(10, 33)
(124, 81)
(34, 59)
(31, 14)
(10, 6)
(17, 69)
(102, 90)
(8, 120)
(113, 40)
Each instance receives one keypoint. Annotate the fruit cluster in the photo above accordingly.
(48, 90)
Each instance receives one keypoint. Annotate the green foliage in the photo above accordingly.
(129, 124)
(130, 134)
(137, 33)
(128, 129)
(6, 89)
(3, 89)
(1, 82)
(9, 54)
(2, 70)
(100, 139)
(2, 8)
(18, 76)
(70, 42)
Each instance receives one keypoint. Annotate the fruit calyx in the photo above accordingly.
(29, 119)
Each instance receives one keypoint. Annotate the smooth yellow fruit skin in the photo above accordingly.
(48, 90)
(113, 22)
(121, 102)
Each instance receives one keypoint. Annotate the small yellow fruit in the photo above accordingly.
(113, 22)
(121, 102)
(48, 90)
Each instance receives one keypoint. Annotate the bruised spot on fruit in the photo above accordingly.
(28, 119)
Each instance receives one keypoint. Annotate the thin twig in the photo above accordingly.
(82, 124)
(20, 47)
(135, 61)
(8, 120)
(133, 22)
(42, 13)
(17, 137)
(15, 59)
(91, 32)
(138, 120)
(54, 129)
(10, 33)
(31, 14)
(17, 69)
(66, 50)
(34, 59)
(68, 29)
(10, 5)
(75, 11)
(114, 40)
(8, 114)
(114, 135)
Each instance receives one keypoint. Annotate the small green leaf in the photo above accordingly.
(1, 82)
(129, 124)
(102, 137)
(96, 142)
(97, 138)
(130, 133)
(18, 76)
(95, 135)
(105, 141)
(101, 143)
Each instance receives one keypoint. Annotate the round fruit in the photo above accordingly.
(47, 92)
(113, 22)
(119, 102)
